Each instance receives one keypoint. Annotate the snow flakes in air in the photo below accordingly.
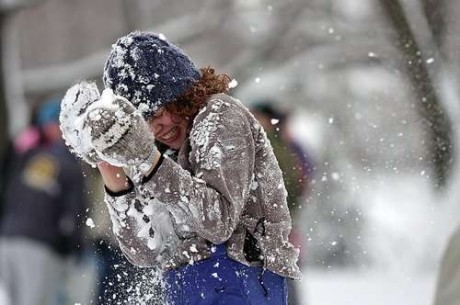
(90, 223)
(335, 176)
(371, 54)
(232, 84)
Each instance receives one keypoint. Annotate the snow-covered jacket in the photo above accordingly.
(225, 187)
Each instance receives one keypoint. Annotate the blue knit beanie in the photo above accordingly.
(48, 112)
(149, 71)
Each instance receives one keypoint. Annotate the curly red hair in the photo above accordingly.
(188, 104)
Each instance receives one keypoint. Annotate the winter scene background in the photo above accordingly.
(373, 88)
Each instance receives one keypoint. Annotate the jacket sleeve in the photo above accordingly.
(142, 227)
(221, 158)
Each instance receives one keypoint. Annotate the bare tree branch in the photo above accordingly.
(42, 80)
(288, 15)
(4, 121)
(437, 123)
(435, 15)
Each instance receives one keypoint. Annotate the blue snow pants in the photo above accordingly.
(220, 280)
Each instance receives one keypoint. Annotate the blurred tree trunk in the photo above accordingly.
(435, 119)
(435, 14)
(4, 121)
(7, 8)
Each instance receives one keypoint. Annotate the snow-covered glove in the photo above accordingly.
(72, 116)
(119, 133)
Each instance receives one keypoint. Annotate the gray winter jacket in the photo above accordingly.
(226, 186)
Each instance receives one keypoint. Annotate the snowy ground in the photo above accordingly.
(367, 288)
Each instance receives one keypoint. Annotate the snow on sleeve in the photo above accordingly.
(117, 210)
(144, 228)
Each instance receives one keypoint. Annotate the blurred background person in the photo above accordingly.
(27, 139)
(40, 227)
(296, 167)
(5, 172)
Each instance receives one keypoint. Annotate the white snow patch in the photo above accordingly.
(90, 223)
(233, 84)
(73, 108)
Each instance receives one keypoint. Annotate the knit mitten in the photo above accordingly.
(119, 133)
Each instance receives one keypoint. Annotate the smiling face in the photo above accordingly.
(169, 129)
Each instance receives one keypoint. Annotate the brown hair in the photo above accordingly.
(188, 104)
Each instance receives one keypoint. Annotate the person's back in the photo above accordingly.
(44, 197)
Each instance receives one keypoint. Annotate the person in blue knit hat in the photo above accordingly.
(167, 134)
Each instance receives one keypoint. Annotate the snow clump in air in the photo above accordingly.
(73, 108)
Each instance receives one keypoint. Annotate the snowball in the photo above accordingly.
(73, 106)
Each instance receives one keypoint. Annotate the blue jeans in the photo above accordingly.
(220, 280)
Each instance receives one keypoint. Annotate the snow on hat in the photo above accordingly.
(149, 71)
